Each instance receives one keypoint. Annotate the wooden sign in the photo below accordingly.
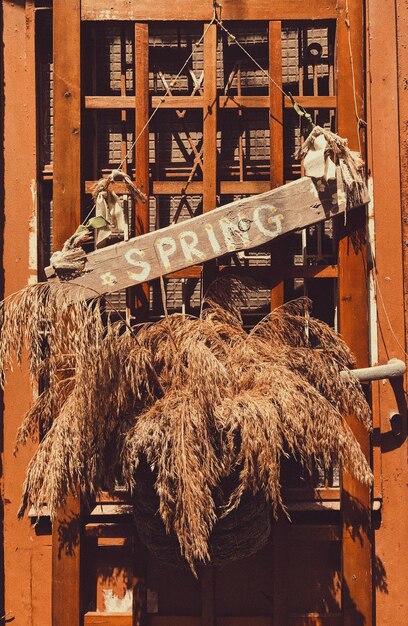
(240, 225)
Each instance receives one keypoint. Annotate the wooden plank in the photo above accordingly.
(227, 187)
(210, 119)
(162, 10)
(142, 149)
(66, 565)
(262, 102)
(353, 317)
(210, 136)
(107, 619)
(387, 79)
(122, 619)
(240, 225)
(318, 494)
(207, 580)
(196, 102)
(316, 619)
(278, 248)
(66, 531)
(67, 121)
(178, 102)
(314, 533)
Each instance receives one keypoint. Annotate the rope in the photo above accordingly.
(360, 121)
(168, 91)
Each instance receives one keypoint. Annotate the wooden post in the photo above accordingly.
(66, 535)
(142, 149)
(208, 613)
(67, 120)
(353, 317)
(276, 110)
(276, 151)
(210, 135)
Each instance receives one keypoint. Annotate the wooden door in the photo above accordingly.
(221, 130)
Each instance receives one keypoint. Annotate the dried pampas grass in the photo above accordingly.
(196, 401)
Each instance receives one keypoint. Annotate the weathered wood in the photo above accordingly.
(67, 121)
(231, 10)
(197, 102)
(353, 317)
(142, 149)
(278, 248)
(208, 617)
(240, 225)
(66, 532)
(210, 119)
(66, 565)
(108, 619)
(210, 136)
(178, 187)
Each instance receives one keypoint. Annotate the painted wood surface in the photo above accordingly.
(231, 10)
(240, 225)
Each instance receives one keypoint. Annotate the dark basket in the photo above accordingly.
(236, 536)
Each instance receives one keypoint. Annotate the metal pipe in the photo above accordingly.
(395, 368)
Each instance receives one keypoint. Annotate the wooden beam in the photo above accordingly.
(210, 136)
(66, 533)
(208, 617)
(386, 80)
(240, 225)
(353, 317)
(261, 102)
(278, 248)
(66, 565)
(162, 10)
(196, 102)
(210, 119)
(67, 121)
(141, 102)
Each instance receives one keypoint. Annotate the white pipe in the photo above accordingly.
(395, 368)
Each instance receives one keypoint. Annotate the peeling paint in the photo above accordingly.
(32, 237)
(372, 295)
(115, 604)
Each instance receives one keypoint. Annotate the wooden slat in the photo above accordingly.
(66, 531)
(141, 101)
(353, 316)
(210, 135)
(107, 619)
(66, 565)
(67, 121)
(210, 119)
(207, 580)
(190, 272)
(227, 187)
(196, 102)
(240, 225)
(146, 10)
(178, 102)
(314, 533)
(316, 619)
(262, 102)
(278, 248)
(324, 493)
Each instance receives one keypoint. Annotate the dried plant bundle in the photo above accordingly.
(206, 407)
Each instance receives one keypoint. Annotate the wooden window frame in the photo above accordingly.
(67, 195)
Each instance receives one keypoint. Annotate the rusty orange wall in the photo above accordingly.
(387, 117)
(27, 557)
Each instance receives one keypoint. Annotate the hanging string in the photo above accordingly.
(168, 92)
(360, 121)
(300, 110)
(162, 100)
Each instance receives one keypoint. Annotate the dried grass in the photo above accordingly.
(198, 400)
